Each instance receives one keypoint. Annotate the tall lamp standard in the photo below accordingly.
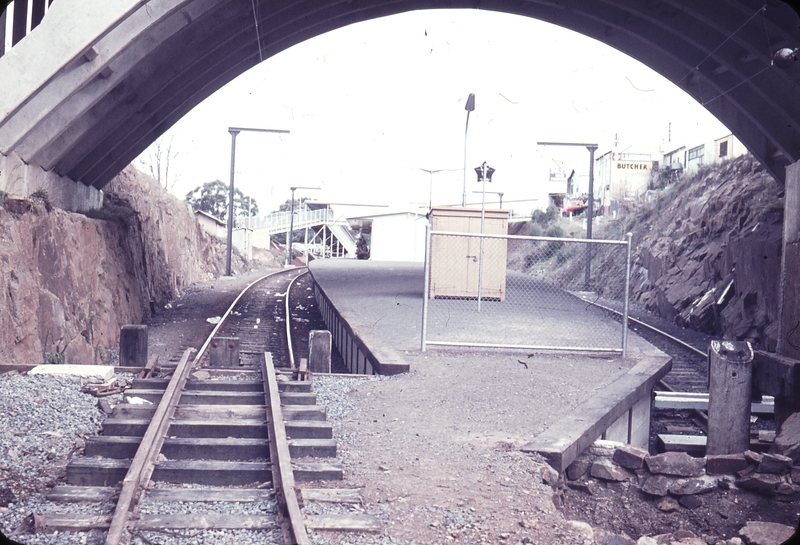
(291, 224)
(234, 133)
(485, 173)
(469, 107)
(590, 205)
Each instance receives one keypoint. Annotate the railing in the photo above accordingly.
(279, 222)
(18, 19)
(541, 289)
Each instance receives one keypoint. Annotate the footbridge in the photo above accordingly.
(324, 234)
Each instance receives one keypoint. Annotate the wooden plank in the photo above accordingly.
(181, 448)
(299, 398)
(205, 522)
(152, 366)
(203, 397)
(77, 494)
(142, 464)
(283, 476)
(344, 523)
(309, 429)
(193, 412)
(699, 401)
(52, 522)
(315, 448)
(332, 495)
(241, 428)
(331, 471)
(243, 495)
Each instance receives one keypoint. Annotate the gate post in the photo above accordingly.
(133, 346)
(319, 351)
(730, 375)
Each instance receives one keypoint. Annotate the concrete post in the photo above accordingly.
(319, 351)
(789, 312)
(730, 376)
(224, 352)
(133, 346)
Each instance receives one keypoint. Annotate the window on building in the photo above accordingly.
(696, 153)
(723, 149)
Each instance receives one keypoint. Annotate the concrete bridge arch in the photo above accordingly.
(96, 82)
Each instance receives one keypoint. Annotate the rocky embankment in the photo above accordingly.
(708, 252)
(69, 281)
(628, 496)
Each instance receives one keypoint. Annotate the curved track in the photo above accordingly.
(217, 424)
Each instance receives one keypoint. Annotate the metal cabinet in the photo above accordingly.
(455, 260)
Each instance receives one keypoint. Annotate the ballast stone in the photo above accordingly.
(103, 371)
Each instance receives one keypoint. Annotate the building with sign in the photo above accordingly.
(622, 174)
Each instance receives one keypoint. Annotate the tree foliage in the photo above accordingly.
(212, 198)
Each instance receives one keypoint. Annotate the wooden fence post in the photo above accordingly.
(224, 352)
(730, 374)
(319, 351)
(133, 346)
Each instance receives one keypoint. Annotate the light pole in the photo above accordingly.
(234, 132)
(291, 225)
(589, 206)
(485, 173)
(430, 188)
(469, 107)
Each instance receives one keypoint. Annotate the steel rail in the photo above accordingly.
(289, 320)
(654, 330)
(282, 472)
(143, 463)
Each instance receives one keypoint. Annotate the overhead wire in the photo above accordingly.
(731, 35)
(258, 35)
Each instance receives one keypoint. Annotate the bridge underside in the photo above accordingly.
(99, 81)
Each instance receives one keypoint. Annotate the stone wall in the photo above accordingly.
(68, 282)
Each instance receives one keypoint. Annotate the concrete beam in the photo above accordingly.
(49, 113)
(789, 316)
(19, 179)
(566, 439)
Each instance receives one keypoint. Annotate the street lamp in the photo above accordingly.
(234, 133)
(485, 173)
(469, 107)
(430, 188)
(590, 205)
(291, 224)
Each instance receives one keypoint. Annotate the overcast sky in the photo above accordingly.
(371, 104)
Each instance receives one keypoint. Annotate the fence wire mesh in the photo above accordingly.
(526, 292)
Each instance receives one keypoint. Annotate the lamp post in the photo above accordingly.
(590, 205)
(291, 225)
(485, 173)
(234, 133)
(469, 107)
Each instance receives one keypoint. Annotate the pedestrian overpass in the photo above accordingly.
(324, 235)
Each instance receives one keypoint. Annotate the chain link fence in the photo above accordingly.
(505, 291)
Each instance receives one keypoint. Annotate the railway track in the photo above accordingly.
(211, 448)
